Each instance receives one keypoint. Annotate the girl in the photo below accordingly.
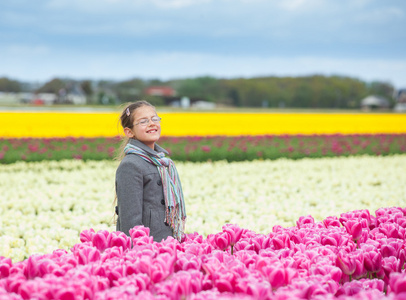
(148, 189)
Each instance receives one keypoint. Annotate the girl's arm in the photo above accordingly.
(129, 189)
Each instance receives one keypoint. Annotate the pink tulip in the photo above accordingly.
(331, 222)
(31, 269)
(350, 289)
(312, 288)
(360, 270)
(188, 262)
(99, 240)
(346, 262)
(390, 230)
(328, 271)
(401, 222)
(376, 235)
(111, 253)
(354, 228)
(336, 239)
(235, 232)
(254, 288)
(87, 255)
(278, 275)
(195, 237)
(198, 249)
(34, 289)
(281, 241)
(397, 283)
(391, 264)
(372, 261)
(140, 281)
(391, 247)
(305, 221)
(247, 257)
(5, 265)
(162, 267)
(87, 235)
(139, 231)
(143, 240)
(225, 281)
(119, 239)
(260, 242)
(222, 240)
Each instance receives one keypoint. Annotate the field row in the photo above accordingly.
(52, 202)
(208, 148)
(64, 124)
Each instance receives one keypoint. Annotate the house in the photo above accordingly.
(9, 97)
(161, 91)
(43, 98)
(71, 94)
(400, 97)
(374, 102)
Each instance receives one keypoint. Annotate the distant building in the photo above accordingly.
(400, 97)
(161, 91)
(374, 102)
(43, 98)
(9, 97)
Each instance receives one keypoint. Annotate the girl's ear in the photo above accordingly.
(128, 132)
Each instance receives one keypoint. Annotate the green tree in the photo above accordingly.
(9, 85)
(52, 86)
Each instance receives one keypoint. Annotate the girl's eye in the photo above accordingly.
(144, 121)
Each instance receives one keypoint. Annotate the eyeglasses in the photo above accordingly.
(145, 122)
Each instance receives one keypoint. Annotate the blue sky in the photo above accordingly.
(168, 39)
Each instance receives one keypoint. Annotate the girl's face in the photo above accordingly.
(147, 133)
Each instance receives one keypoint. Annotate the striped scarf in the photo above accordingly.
(174, 203)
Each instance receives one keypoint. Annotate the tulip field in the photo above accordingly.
(271, 214)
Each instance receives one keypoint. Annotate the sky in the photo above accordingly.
(172, 39)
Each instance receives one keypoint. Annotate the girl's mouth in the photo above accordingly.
(152, 130)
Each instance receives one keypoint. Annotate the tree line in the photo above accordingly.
(315, 91)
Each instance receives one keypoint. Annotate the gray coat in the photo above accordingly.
(140, 196)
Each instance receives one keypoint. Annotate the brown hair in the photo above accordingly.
(127, 120)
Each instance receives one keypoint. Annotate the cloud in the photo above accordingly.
(165, 38)
(170, 65)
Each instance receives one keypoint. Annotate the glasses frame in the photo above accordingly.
(149, 120)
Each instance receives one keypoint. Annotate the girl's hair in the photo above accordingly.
(127, 120)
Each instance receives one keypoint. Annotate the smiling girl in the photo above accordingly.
(148, 188)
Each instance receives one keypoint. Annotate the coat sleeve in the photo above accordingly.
(129, 189)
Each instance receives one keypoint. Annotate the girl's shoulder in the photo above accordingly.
(134, 162)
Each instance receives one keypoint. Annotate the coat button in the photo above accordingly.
(159, 182)
(163, 201)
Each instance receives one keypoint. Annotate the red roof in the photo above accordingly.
(160, 91)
